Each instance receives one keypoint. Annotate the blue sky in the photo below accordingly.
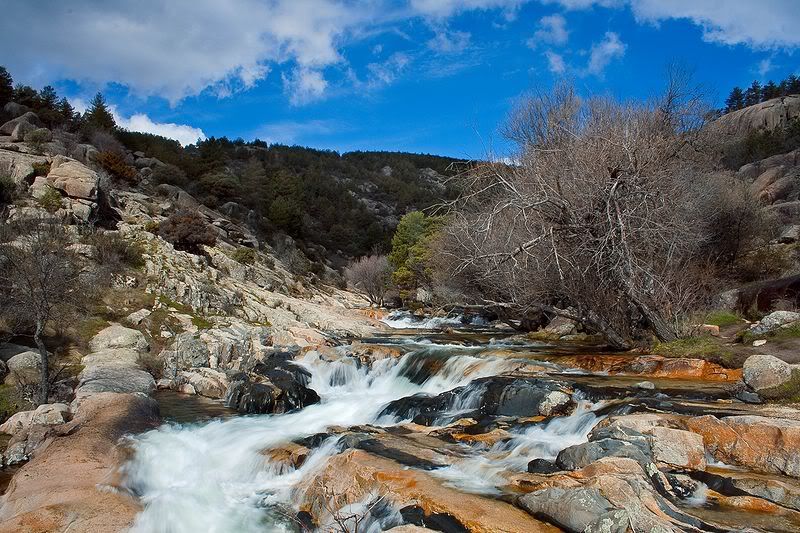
(435, 76)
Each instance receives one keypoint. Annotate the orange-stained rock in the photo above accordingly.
(355, 474)
(490, 438)
(62, 487)
(289, 455)
(654, 366)
(770, 445)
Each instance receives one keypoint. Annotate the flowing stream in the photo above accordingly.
(215, 475)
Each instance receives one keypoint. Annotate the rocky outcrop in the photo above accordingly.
(769, 115)
(116, 337)
(654, 366)
(18, 165)
(29, 119)
(355, 475)
(69, 485)
(73, 178)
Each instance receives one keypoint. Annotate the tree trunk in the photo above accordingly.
(614, 339)
(44, 379)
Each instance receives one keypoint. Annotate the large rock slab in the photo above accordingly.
(73, 178)
(674, 448)
(69, 485)
(354, 475)
(120, 357)
(28, 118)
(769, 115)
(116, 336)
(765, 372)
(17, 165)
(768, 445)
(98, 379)
(571, 509)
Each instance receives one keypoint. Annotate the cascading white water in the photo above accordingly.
(482, 472)
(406, 320)
(214, 477)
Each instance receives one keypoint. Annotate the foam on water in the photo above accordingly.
(214, 477)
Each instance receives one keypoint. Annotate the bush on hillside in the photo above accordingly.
(187, 231)
(41, 169)
(50, 200)
(170, 175)
(115, 252)
(115, 165)
(246, 256)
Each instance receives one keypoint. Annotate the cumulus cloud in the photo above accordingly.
(555, 62)
(602, 53)
(763, 24)
(304, 85)
(447, 8)
(182, 133)
(552, 30)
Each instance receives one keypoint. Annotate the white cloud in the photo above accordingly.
(304, 85)
(447, 8)
(552, 30)
(602, 53)
(290, 131)
(449, 42)
(180, 132)
(761, 24)
(384, 73)
(765, 66)
(555, 62)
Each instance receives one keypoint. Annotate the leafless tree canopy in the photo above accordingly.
(598, 214)
(39, 281)
(372, 275)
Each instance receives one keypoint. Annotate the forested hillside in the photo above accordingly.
(347, 203)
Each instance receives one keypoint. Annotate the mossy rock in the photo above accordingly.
(788, 392)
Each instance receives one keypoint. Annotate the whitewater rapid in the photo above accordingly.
(215, 477)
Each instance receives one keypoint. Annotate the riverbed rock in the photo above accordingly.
(582, 455)
(674, 448)
(119, 379)
(206, 381)
(355, 474)
(570, 509)
(116, 336)
(121, 357)
(279, 392)
(765, 372)
(773, 321)
(69, 484)
(767, 445)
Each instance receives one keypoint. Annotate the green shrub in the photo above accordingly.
(187, 231)
(722, 318)
(116, 252)
(50, 200)
(41, 169)
(37, 138)
(246, 256)
(169, 174)
(151, 226)
(115, 165)
(8, 190)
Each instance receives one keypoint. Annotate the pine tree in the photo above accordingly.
(792, 84)
(48, 97)
(752, 95)
(770, 91)
(98, 116)
(255, 189)
(735, 100)
(67, 113)
(6, 87)
(26, 95)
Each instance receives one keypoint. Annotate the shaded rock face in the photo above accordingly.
(498, 395)
(18, 166)
(277, 392)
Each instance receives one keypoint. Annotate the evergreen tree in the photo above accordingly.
(26, 95)
(752, 95)
(255, 191)
(735, 100)
(770, 91)
(792, 84)
(98, 116)
(48, 97)
(6, 87)
(67, 112)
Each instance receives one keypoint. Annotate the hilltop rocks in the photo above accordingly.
(769, 115)
(73, 178)
(17, 165)
(29, 119)
(763, 444)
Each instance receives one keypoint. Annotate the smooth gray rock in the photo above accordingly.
(116, 336)
(765, 372)
(571, 509)
(581, 455)
(98, 379)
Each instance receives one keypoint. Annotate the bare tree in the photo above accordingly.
(39, 282)
(595, 215)
(372, 275)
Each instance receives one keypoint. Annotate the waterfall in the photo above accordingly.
(215, 476)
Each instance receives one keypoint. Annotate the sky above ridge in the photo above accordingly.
(434, 76)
